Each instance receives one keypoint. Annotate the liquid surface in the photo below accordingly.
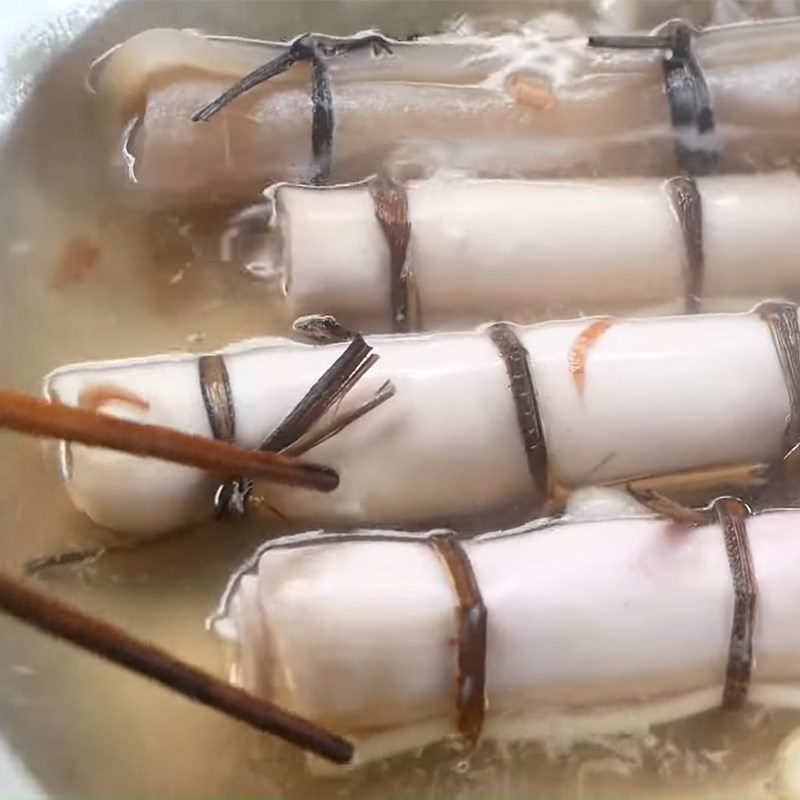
(82, 277)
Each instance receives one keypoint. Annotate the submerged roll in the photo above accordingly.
(504, 106)
(481, 420)
(364, 632)
(477, 250)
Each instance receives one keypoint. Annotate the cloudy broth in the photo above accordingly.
(87, 275)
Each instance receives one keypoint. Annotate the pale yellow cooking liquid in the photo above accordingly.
(85, 728)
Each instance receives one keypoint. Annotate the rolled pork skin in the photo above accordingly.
(522, 250)
(360, 635)
(648, 397)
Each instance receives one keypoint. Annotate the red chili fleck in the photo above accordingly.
(580, 349)
(95, 397)
(78, 259)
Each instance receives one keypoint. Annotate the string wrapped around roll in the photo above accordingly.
(515, 105)
(491, 419)
(460, 252)
(361, 630)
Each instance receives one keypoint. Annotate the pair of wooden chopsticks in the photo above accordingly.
(34, 416)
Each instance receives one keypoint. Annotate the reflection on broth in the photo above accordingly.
(91, 272)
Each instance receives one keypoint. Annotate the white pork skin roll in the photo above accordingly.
(520, 250)
(506, 106)
(616, 399)
(360, 634)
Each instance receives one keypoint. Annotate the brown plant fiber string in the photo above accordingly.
(314, 49)
(517, 364)
(217, 396)
(293, 432)
(687, 205)
(471, 637)
(783, 326)
(391, 211)
(732, 515)
(690, 105)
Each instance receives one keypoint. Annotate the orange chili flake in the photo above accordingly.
(94, 397)
(78, 259)
(532, 94)
(580, 349)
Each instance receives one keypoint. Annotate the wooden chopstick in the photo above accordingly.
(114, 644)
(21, 412)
